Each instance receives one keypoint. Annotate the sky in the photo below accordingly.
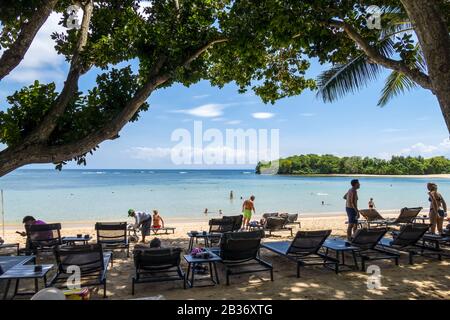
(412, 124)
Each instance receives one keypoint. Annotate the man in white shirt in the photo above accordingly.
(143, 220)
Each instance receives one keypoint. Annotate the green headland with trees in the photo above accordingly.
(330, 164)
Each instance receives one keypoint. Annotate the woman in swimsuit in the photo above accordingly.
(438, 208)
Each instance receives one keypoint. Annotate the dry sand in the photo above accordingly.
(427, 279)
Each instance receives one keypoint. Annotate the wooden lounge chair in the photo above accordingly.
(113, 236)
(366, 240)
(304, 249)
(157, 265)
(239, 252)
(275, 224)
(42, 238)
(407, 240)
(91, 259)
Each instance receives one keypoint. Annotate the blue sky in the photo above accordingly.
(410, 124)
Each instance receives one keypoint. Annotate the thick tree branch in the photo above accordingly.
(46, 127)
(13, 158)
(15, 53)
(418, 76)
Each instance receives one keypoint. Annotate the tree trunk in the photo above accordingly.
(432, 30)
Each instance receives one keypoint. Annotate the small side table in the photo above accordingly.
(74, 240)
(340, 247)
(20, 272)
(213, 275)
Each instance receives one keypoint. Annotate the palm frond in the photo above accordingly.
(341, 79)
(396, 84)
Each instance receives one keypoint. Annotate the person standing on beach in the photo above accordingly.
(247, 207)
(371, 204)
(351, 206)
(231, 195)
(143, 219)
(438, 208)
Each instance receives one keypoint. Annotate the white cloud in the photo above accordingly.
(201, 96)
(263, 115)
(234, 122)
(427, 149)
(211, 110)
(149, 154)
(307, 114)
(42, 62)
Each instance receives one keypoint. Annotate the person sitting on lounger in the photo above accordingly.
(155, 243)
(30, 221)
(351, 206)
(438, 208)
(158, 221)
(143, 219)
(247, 207)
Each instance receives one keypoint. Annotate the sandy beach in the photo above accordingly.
(427, 279)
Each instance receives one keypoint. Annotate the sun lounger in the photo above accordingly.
(42, 238)
(237, 221)
(406, 216)
(91, 259)
(269, 215)
(219, 226)
(157, 265)
(407, 240)
(240, 254)
(366, 240)
(373, 217)
(275, 224)
(113, 236)
(304, 249)
(291, 218)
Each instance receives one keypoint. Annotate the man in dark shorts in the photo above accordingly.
(351, 206)
(143, 220)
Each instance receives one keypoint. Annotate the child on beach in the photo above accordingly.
(158, 221)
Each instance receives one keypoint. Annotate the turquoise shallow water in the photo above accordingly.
(79, 195)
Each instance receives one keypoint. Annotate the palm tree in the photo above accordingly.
(395, 36)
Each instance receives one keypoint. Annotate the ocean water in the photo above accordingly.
(85, 195)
